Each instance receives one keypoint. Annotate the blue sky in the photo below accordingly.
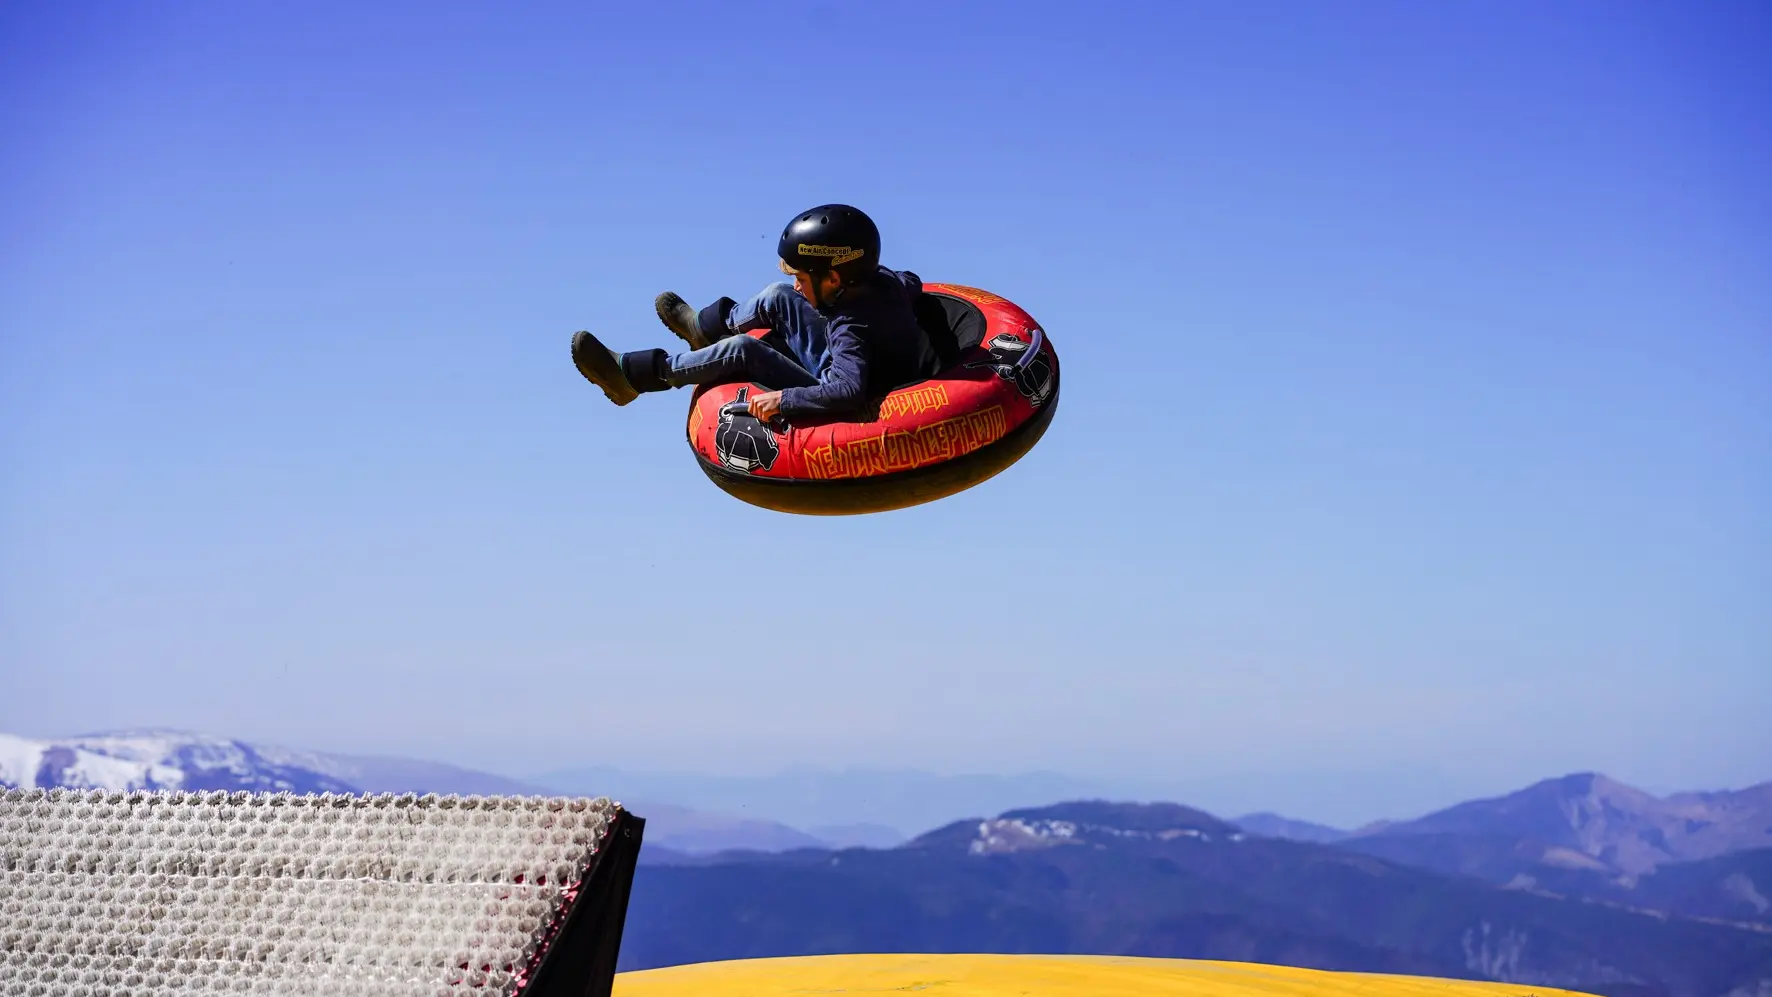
(1415, 435)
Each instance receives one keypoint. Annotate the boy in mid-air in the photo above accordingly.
(846, 324)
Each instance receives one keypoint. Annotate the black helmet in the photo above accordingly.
(831, 237)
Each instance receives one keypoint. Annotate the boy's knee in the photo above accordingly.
(779, 290)
(778, 298)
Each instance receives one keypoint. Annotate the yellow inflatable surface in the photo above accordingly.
(1035, 976)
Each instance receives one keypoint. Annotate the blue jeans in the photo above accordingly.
(739, 357)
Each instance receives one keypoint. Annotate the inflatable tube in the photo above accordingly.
(930, 439)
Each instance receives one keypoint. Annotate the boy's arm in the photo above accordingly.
(843, 387)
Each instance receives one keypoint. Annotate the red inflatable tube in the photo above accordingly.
(929, 439)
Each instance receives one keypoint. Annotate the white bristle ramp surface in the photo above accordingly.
(151, 894)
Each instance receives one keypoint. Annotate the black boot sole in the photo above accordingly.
(601, 369)
(678, 317)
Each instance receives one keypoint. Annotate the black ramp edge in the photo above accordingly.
(581, 960)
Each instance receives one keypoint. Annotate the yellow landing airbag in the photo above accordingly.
(1035, 976)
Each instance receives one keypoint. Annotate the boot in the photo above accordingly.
(681, 319)
(601, 367)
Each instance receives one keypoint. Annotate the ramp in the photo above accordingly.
(152, 894)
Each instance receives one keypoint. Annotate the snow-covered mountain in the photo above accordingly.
(172, 759)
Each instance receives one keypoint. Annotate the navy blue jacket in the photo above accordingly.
(874, 345)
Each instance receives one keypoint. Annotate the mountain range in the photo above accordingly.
(1275, 826)
(171, 759)
(1592, 822)
(1578, 881)
(1589, 837)
(891, 805)
(1169, 881)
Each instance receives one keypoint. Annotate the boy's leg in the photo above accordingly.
(623, 376)
(777, 307)
(735, 358)
(781, 309)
